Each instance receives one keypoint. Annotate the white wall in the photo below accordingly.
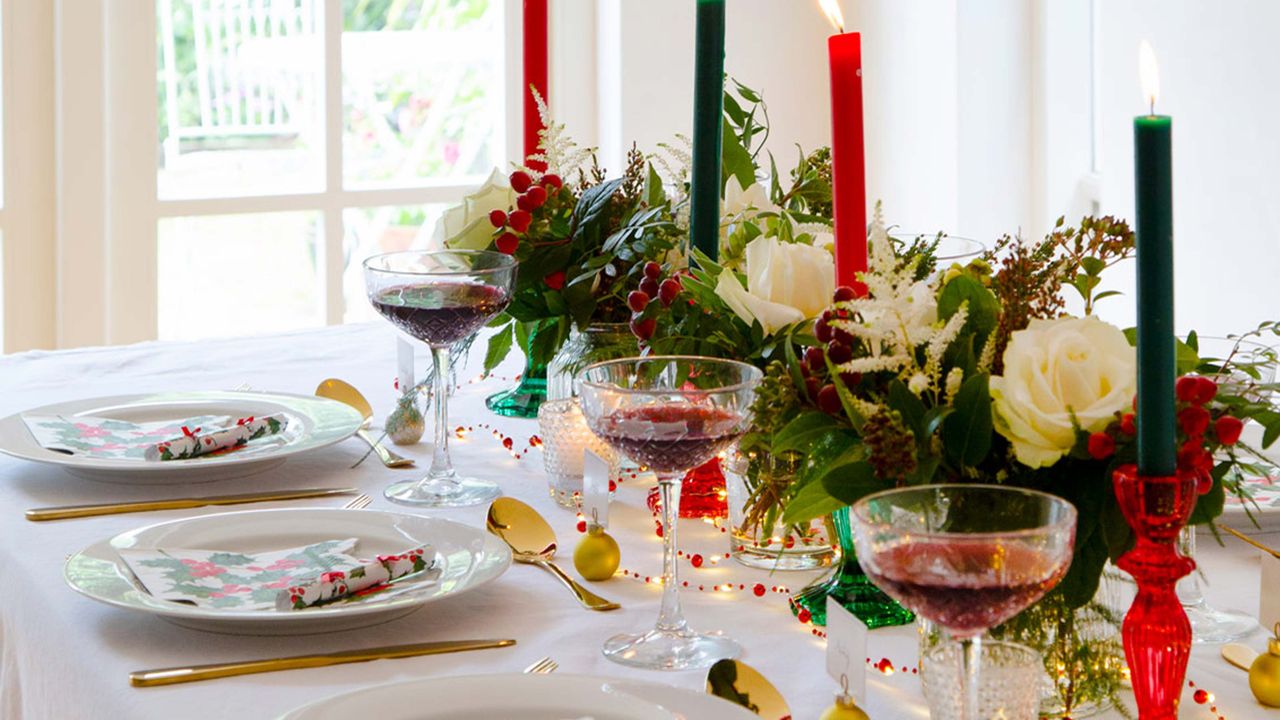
(1218, 70)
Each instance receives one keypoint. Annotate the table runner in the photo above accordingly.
(64, 656)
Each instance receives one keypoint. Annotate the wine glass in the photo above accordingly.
(670, 413)
(967, 557)
(440, 297)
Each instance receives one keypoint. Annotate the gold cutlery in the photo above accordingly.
(1242, 656)
(743, 685)
(545, 666)
(343, 392)
(358, 502)
(65, 512)
(533, 541)
(174, 675)
(1249, 540)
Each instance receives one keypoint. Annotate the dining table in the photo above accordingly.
(64, 656)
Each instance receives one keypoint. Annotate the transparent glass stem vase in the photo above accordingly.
(851, 587)
(523, 400)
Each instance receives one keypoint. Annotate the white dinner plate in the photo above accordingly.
(527, 697)
(468, 558)
(313, 423)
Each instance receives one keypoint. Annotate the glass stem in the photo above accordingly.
(671, 617)
(1188, 588)
(441, 465)
(970, 675)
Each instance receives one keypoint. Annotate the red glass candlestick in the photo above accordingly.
(1156, 632)
(702, 493)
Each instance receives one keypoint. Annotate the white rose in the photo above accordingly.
(466, 226)
(786, 283)
(745, 201)
(1059, 369)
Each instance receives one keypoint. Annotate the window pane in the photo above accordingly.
(239, 275)
(377, 230)
(422, 90)
(240, 97)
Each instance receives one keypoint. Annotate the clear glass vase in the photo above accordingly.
(758, 485)
(596, 343)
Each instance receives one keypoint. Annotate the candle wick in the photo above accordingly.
(1153, 106)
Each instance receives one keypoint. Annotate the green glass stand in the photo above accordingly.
(523, 400)
(850, 587)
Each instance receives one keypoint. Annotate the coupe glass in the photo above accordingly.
(440, 297)
(672, 414)
(967, 557)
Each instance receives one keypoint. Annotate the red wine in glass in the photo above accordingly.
(671, 438)
(966, 586)
(440, 313)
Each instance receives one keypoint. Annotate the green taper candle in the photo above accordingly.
(1153, 186)
(708, 110)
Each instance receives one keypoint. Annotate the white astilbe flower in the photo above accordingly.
(954, 379)
(941, 340)
(918, 384)
(560, 153)
(675, 162)
(988, 354)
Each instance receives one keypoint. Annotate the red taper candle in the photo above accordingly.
(848, 156)
(535, 73)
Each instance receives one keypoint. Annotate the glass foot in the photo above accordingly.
(670, 650)
(1209, 625)
(459, 492)
(853, 590)
(521, 401)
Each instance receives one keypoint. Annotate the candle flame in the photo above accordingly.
(832, 10)
(1150, 74)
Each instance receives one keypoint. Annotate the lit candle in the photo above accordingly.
(708, 112)
(535, 73)
(1153, 184)
(848, 156)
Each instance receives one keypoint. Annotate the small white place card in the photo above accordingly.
(404, 366)
(595, 488)
(847, 650)
(1269, 596)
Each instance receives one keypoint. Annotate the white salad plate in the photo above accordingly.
(312, 423)
(466, 558)
(528, 697)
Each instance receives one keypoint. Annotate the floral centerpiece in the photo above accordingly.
(976, 373)
(582, 241)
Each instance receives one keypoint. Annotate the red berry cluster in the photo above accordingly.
(532, 196)
(652, 286)
(837, 346)
(1195, 418)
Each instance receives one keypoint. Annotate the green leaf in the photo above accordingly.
(852, 482)
(907, 405)
(812, 501)
(984, 309)
(1209, 505)
(966, 433)
(802, 432)
(1093, 265)
(499, 347)
(1105, 294)
(736, 159)
(832, 451)
(654, 194)
(589, 214)
(1080, 584)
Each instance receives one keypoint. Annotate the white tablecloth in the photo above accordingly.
(64, 656)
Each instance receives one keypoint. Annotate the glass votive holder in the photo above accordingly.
(565, 439)
(1008, 681)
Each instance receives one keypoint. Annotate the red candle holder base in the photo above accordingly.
(1156, 632)
(702, 493)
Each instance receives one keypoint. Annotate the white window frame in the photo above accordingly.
(81, 150)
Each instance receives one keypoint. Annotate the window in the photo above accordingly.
(298, 137)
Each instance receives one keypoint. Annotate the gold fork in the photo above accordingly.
(359, 502)
(543, 667)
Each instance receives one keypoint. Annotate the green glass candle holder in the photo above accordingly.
(523, 400)
(850, 587)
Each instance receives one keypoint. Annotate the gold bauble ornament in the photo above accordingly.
(1264, 673)
(405, 425)
(845, 709)
(597, 556)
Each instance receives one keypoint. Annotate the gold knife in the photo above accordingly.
(171, 676)
(78, 511)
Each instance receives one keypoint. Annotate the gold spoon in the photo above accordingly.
(533, 541)
(743, 685)
(343, 392)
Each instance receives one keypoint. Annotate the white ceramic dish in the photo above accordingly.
(468, 558)
(313, 423)
(528, 697)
